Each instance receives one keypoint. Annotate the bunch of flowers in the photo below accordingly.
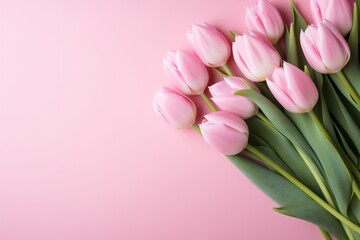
(292, 125)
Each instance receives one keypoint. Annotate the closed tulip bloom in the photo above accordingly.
(223, 96)
(264, 18)
(324, 47)
(177, 110)
(209, 44)
(226, 132)
(255, 56)
(293, 89)
(186, 72)
(338, 12)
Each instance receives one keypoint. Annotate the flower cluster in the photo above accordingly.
(276, 100)
(324, 47)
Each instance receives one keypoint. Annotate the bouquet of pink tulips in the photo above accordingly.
(291, 124)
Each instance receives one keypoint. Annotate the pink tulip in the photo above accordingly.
(177, 110)
(338, 12)
(224, 98)
(264, 18)
(293, 89)
(226, 132)
(324, 47)
(255, 56)
(186, 71)
(209, 44)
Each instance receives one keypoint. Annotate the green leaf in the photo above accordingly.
(325, 116)
(337, 175)
(285, 150)
(267, 93)
(291, 47)
(352, 74)
(293, 201)
(280, 121)
(345, 143)
(355, 208)
(341, 115)
(353, 40)
(299, 24)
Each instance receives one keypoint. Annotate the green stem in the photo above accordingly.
(208, 102)
(349, 87)
(263, 118)
(227, 70)
(351, 166)
(303, 188)
(218, 71)
(325, 234)
(196, 128)
(318, 178)
(312, 167)
(343, 156)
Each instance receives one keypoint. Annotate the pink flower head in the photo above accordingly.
(209, 44)
(177, 110)
(223, 96)
(186, 71)
(255, 56)
(293, 89)
(338, 12)
(226, 132)
(264, 18)
(324, 47)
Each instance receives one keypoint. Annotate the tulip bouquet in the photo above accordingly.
(291, 123)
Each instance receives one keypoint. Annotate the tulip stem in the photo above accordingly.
(349, 87)
(263, 118)
(349, 164)
(302, 187)
(325, 234)
(227, 70)
(197, 128)
(218, 71)
(208, 102)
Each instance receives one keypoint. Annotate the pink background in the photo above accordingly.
(83, 156)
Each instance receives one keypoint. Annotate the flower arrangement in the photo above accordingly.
(292, 123)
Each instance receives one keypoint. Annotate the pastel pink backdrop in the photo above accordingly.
(83, 156)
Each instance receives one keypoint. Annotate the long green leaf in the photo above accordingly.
(337, 174)
(280, 121)
(353, 40)
(341, 115)
(352, 73)
(283, 148)
(291, 47)
(299, 24)
(292, 200)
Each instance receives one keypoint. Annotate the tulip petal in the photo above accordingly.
(226, 118)
(282, 97)
(175, 109)
(220, 89)
(239, 105)
(311, 52)
(301, 88)
(331, 50)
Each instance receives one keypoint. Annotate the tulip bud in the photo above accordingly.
(324, 47)
(186, 71)
(338, 12)
(226, 132)
(255, 56)
(293, 89)
(209, 44)
(224, 98)
(177, 110)
(264, 18)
